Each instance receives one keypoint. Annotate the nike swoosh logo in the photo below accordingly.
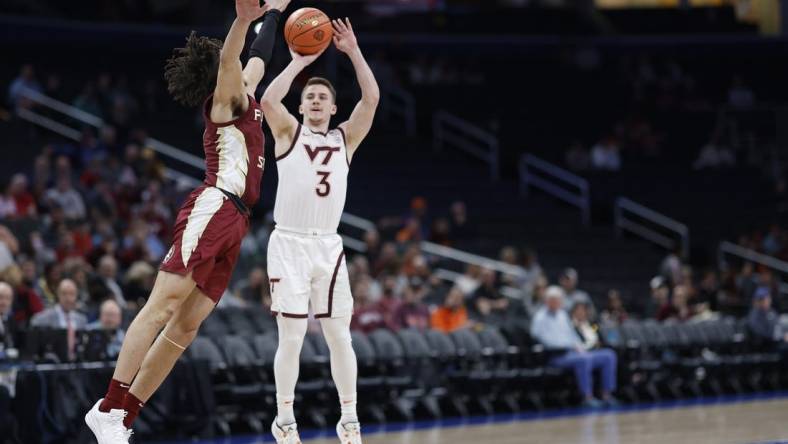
(124, 386)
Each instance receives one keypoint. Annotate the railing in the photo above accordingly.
(448, 129)
(552, 179)
(624, 206)
(468, 258)
(729, 248)
(96, 122)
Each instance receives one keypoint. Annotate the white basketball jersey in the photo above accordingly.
(312, 181)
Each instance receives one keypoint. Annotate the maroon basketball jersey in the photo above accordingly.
(234, 152)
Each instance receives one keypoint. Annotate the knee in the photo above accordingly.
(292, 338)
(183, 331)
(159, 314)
(337, 337)
(610, 356)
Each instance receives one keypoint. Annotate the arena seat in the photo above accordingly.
(396, 376)
(428, 387)
(238, 320)
(370, 382)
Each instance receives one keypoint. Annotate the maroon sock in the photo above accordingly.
(114, 398)
(132, 406)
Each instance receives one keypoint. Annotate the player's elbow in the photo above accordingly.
(226, 59)
(371, 98)
(267, 102)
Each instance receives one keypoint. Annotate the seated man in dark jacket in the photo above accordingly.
(764, 322)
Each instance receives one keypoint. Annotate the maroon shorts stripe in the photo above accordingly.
(331, 287)
(290, 315)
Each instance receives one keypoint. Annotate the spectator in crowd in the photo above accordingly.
(390, 301)
(367, 316)
(64, 314)
(510, 256)
(252, 289)
(707, 291)
(441, 232)
(531, 264)
(67, 198)
(110, 320)
(388, 261)
(678, 308)
(470, 280)
(568, 281)
(535, 299)
(372, 242)
(490, 306)
(461, 228)
(605, 155)
(670, 268)
(25, 80)
(9, 246)
(8, 327)
(747, 281)
(46, 285)
(413, 313)
(452, 315)
(773, 241)
(18, 202)
(764, 322)
(26, 301)
(589, 339)
(139, 280)
(615, 311)
(105, 285)
(552, 327)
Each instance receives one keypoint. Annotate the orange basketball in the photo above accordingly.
(308, 31)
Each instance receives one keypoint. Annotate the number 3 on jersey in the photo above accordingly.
(323, 187)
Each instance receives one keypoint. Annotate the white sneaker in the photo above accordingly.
(108, 427)
(285, 435)
(349, 433)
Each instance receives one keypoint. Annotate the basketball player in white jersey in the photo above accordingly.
(306, 261)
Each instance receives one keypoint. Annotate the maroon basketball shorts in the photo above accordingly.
(207, 240)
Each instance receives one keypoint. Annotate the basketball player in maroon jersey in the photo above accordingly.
(211, 223)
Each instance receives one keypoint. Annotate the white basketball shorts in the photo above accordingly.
(308, 269)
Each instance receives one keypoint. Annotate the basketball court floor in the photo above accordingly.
(694, 422)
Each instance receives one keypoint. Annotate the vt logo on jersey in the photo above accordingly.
(312, 153)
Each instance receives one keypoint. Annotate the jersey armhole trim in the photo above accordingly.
(344, 141)
(292, 145)
(245, 115)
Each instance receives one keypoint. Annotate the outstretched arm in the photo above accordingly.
(283, 123)
(230, 93)
(262, 47)
(357, 127)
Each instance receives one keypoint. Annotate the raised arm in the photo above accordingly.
(230, 93)
(262, 47)
(360, 121)
(282, 123)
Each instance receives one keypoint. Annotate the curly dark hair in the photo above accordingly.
(191, 71)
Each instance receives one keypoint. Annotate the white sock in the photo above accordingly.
(286, 363)
(284, 410)
(344, 368)
(348, 406)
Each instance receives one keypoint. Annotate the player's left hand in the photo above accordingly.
(344, 38)
(249, 10)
